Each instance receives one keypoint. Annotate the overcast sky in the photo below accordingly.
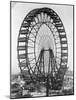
(19, 11)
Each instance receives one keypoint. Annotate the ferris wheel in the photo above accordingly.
(32, 45)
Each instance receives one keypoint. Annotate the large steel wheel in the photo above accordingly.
(27, 47)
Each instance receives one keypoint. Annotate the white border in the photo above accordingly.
(5, 49)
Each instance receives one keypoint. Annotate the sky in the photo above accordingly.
(18, 13)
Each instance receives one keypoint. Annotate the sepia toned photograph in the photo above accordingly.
(42, 49)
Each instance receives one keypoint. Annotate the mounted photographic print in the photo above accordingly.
(42, 49)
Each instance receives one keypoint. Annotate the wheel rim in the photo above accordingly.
(39, 17)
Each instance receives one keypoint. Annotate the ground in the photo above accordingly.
(21, 88)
